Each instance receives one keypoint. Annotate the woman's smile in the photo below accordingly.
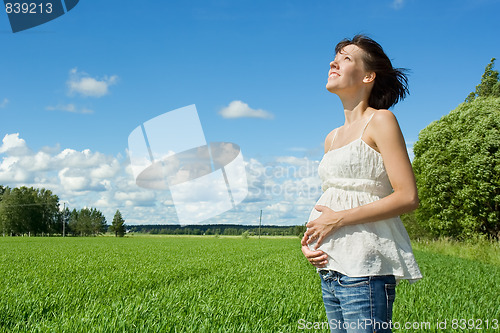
(333, 74)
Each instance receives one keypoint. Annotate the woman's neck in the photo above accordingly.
(355, 102)
(354, 111)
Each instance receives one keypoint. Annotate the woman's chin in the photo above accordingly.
(331, 88)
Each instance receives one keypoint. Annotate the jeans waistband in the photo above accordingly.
(325, 272)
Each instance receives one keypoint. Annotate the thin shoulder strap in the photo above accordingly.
(363, 132)
(333, 139)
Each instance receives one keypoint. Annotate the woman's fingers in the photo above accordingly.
(316, 258)
(309, 236)
(321, 264)
(309, 254)
(320, 208)
(319, 261)
(303, 241)
(318, 243)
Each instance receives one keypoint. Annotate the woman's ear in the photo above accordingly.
(369, 77)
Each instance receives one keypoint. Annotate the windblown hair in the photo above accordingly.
(391, 84)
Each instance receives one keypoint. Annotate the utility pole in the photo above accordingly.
(260, 221)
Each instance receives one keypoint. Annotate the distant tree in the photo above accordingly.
(87, 221)
(99, 224)
(48, 205)
(84, 222)
(66, 218)
(118, 225)
(3, 217)
(299, 230)
(457, 166)
(489, 86)
(73, 222)
(230, 231)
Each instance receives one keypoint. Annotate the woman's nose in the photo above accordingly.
(333, 64)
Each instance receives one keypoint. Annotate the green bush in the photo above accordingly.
(457, 167)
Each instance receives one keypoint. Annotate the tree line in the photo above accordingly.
(36, 212)
(219, 229)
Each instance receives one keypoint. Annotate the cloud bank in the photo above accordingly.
(285, 188)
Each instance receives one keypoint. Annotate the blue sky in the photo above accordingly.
(73, 89)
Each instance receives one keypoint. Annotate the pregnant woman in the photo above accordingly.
(355, 237)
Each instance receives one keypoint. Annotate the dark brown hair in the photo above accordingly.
(391, 84)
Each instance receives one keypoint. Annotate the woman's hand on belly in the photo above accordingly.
(316, 258)
(328, 222)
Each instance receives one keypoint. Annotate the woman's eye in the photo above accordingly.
(347, 58)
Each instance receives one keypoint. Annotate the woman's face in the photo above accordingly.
(347, 70)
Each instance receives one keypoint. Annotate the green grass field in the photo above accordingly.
(209, 284)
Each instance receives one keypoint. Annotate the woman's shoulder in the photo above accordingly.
(383, 114)
(383, 127)
(383, 119)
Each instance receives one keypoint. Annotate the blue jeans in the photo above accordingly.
(358, 304)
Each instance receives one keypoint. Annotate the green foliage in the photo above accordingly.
(415, 230)
(118, 225)
(457, 167)
(28, 210)
(220, 229)
(33, 211)
(223, 285)
(87, 222)
(489, 86)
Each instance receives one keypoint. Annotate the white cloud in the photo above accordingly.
(74, 180)
(10, 172)
(84, 159)
(108, 170)
(69, 108)
(83, 84)
(281, 208)
(14, 146)
(4, 103)
(143, 197)
(238, 109)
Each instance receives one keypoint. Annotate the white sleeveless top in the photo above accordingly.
(354, 175)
